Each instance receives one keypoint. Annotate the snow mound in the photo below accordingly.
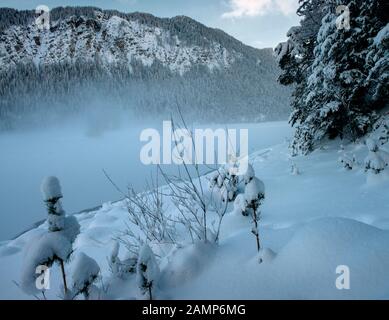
(185, 264)
(319, 247)
(85, 271)
(43, 250)
(254, 190)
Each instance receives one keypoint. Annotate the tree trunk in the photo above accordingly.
(63, 277)
(150, 295)
(256, 229)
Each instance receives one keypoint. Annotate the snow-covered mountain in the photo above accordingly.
(111, 40)
(119, 55)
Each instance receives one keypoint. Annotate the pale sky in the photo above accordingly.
(259, 23)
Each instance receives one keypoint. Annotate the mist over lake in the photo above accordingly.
(77, 155)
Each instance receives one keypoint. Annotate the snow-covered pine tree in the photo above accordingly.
(295, 58)
(377, 69)
(254, 195)
(51, 192)
(85, 273)
(43, 250)
(147, 271)
(296, 55)
(332, 99)
(56, 218)
(377, 159)
(54, 246)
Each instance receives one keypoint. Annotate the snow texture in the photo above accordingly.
(240, 204)
(85, 272)
(382, 36)
(71, 228)
(43, 250)
(255, 190)
(377, 159)
(250, 173)
(56, 221)
(371, 145)
(310, 225)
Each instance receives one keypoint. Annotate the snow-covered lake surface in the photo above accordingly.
(77, 157)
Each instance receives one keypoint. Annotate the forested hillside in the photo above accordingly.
(91, 59)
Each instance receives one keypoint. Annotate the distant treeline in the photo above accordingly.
(31, 92)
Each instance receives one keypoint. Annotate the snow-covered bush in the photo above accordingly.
(347, 161)
(43, 250)
(57, 219)
(51, 191)
(231, 182)
(225, 181)
(54, 246)
(128, 265)
(254, 192)
(122, 268)
(253, 195)
(147, 212)
(190, 196)
(377, 159)
(85, 273)
(147, 271)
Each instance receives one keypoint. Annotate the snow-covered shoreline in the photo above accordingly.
(314, 221)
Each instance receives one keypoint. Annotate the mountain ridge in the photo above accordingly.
(140, 61)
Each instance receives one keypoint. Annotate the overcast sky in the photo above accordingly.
(259, 23)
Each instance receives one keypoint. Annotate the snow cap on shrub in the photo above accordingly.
(51, 188)
(254, 190)
(250, 173)
(147, 269)
(43, 250)
(85, 272)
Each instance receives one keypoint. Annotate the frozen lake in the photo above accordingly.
(78, 158)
